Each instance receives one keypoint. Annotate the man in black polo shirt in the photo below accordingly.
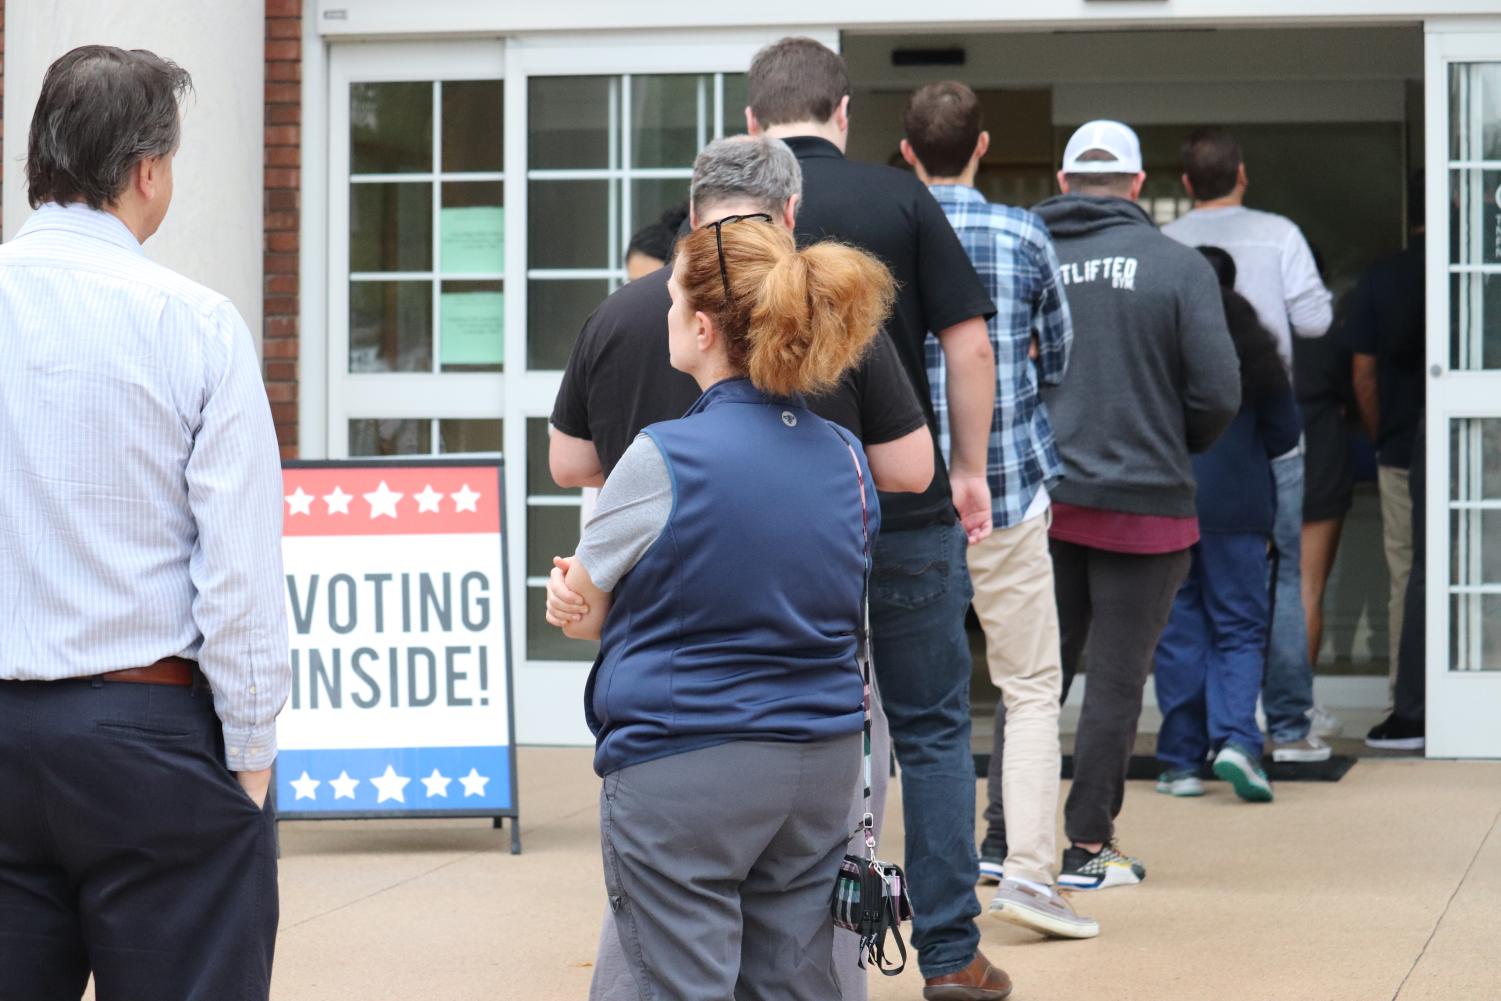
(798, 91)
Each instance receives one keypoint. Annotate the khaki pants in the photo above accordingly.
(1396, 538)
(1012, 575)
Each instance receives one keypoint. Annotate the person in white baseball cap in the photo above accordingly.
(1102, 136)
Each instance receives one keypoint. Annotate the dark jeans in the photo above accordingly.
(1212, 655)
(919, 594)
(127, 849)
(1410, 696)
(1112, 608)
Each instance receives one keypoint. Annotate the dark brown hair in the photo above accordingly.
(1211, 159)
(795, 320)
(942, 122)
(1101, 184)
(795, 80)
(102, 110)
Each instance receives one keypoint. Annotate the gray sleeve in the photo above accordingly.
(634, 505)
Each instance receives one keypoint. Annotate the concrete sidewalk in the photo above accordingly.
(1386, 885)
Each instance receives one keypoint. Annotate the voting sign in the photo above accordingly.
(396, 607)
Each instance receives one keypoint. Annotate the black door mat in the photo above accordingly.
(1146, 769)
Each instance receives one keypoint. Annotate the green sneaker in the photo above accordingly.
(1236, 767)
(1180, 782)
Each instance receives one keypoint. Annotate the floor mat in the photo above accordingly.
(1145, 768)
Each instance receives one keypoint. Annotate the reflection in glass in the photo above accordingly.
(538, 476)
(390, 436)
(734, 104)
(1475, 459)
(651, 196)
(1475, 111)
(473, 132)
(544, 642)
(550, 531)
(390, 128)
(671, 119)
(472, 228)
(469, 436)
(471, 326)
(390, 326)
(391, 227)
(555, 312)
(568, 224)
(1475, 632)
(1475, 320)
(1476, 197)
(568, 122)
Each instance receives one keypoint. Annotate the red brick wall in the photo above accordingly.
(283, 211)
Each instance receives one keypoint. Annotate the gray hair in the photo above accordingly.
(102, 110)
(751, 169)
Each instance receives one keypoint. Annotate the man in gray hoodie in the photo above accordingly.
(1153, 378)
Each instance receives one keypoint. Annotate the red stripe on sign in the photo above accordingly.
(390, 500)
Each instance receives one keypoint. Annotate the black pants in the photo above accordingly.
(1410, 697)
(127, 849)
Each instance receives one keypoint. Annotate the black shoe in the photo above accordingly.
(992, 857)
(1397, 734)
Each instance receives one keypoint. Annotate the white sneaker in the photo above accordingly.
(1310, 748)
(1325, 723)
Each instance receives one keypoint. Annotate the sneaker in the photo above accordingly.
(992, 855)
(1043, 911)
(1310, 748)
(1086, 870)
(1236, 767)
(1324, 723)
(1397, 734)
(1180, 782)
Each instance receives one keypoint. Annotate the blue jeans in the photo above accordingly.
(1210, 658)
(1287, 693)
(919, 594)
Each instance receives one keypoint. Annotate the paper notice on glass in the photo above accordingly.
(473, 328)
(472, 240)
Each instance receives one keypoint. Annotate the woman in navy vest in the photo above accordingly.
(724, 574)
(1212, 655)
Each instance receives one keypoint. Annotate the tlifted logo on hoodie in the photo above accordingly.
(1120, 272)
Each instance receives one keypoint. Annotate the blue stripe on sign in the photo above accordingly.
(402, 779)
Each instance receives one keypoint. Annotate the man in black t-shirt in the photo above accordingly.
(798, 91)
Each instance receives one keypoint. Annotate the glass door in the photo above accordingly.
(1464, 393)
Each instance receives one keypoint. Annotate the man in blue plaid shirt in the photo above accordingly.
(1011, 570)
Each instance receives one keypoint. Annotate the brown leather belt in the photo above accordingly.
(167, 671)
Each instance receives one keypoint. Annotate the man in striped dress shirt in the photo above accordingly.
(143, 640)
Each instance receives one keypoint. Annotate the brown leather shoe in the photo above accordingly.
(979, 981)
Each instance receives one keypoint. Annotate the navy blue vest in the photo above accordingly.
(739, 622)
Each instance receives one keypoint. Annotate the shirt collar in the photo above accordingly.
(955, 193)
(81, 220)
(804, 147)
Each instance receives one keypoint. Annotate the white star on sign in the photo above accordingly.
(474, 783)
(437, 785)
(301, 501)
(306, 786)
(389, 785)
(382, 501)
(466, 499)
(343, 786)
(338, 501)
(428, 500)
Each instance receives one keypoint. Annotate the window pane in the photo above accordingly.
(543, 642)
(568, 223)
(471, 327)
(650, 197)
(390, 227)
(460, 435)
(568, 121)
(734, 104)
(472, 228)
(390, 436)
(550, 531)
(538, 476)
(1476, 196)
(1475, 111)
(670, 119)
(1475, 320)
(1475, 459)
(1475, 632)
(555, 312)
(390, 326)
(473, 132)
(390, 128)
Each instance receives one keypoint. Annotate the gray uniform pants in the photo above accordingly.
(720, 864)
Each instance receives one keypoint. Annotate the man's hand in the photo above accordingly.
(972, 501)
(256, 785)
(565, 606)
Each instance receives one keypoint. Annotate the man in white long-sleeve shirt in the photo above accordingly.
(1275, 271)
(143, 638)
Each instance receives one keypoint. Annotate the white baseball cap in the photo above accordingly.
(1111, 137)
